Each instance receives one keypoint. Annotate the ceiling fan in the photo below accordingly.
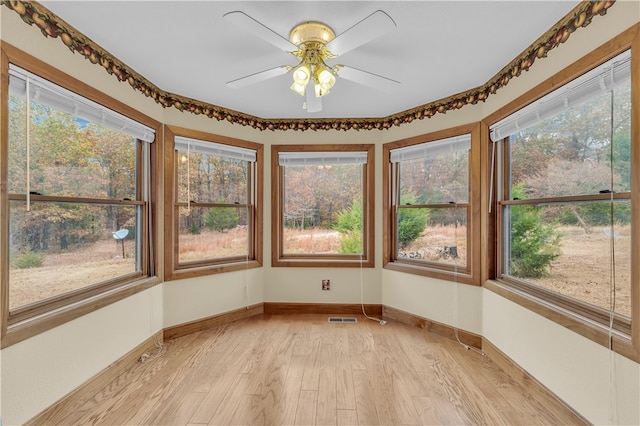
(314, 43)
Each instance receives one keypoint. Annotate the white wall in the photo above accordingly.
(457, 305)
(197, 298)
(40, 370)
(602, 385)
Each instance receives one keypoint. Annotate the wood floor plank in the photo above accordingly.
(232, 400)
(300, 369)
(436, 411)
(288, 403)
(211, 402)
(212, 376)
(306, 411)
(345, 392)
(179, 411)
(365, 399)
(221, 379)
(311, 376)
(347, 417)
(327, 384)
(394, 405)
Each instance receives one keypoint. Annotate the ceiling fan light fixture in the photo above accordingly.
(320, 92)
(298, 88)
(325, 78)
(302, 74)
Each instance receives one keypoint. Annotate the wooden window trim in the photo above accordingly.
(278, 258)
(467, 275)
(550, 306)
(174, 271)
(28, 321)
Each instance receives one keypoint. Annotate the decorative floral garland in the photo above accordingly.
(52, 26)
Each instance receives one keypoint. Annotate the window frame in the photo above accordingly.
(26, 321)
(278, 257)
(467, 275)
(172, 268)
(586, 320)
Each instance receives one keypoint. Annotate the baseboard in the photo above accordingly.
(100, 380)
(440, 329)
(321, 308)
(539, 391)
(212, 321)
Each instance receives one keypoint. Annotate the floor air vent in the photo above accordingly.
(343, 320)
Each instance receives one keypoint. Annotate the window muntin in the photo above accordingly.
(215, 205)
(72, 184)
(431, 204)
(324, 209)
(566, 200)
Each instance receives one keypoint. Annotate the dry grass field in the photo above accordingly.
(583, 270)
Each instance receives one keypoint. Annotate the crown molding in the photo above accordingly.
(50, 25)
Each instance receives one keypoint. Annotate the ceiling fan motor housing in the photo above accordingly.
(312, 31)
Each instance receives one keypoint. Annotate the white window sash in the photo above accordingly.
(431, 149)
(322, 158)
(213, 148)
(601, 79)
(47, 93)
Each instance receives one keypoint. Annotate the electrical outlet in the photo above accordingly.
(326, 285)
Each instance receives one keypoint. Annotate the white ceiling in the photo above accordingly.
(439, 48)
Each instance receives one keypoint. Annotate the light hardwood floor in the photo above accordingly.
(302, 370)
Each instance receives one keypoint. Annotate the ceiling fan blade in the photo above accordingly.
(257, 77)
(370, 28)
(257, 28)
(314, 104)
(367, 78)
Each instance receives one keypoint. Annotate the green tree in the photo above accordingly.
(411, 221)
(534, 244)
(349, 224)
(221, 218)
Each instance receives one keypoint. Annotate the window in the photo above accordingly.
(215, 204)
(430, 212)
(565, 195)
(323, 210)
(78, 184)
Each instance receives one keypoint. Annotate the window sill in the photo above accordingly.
(621, 343)
(443, 274)
(204, 270)
(30, 327)
(321, 263)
